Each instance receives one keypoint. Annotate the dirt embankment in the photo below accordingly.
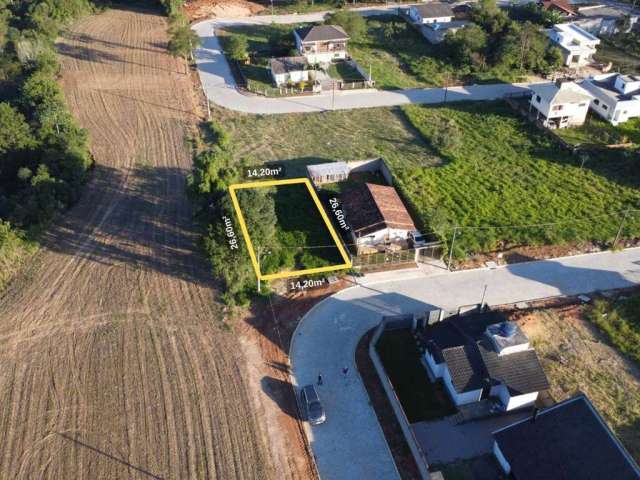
(113, 360)
(202, 9)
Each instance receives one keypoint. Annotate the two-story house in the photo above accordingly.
(435, 20)
(616, 96)
(560, 104)
(577, 45)
(322, 44)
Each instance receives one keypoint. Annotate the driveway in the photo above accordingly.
(220, 87)
(351, 444)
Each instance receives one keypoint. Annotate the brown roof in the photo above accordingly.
(374, 207)
(562, 5)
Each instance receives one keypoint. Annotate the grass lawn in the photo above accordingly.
(344, 71)
(298, 237)
(400, 57)
(621, 60)
(620, 321)
(500, 171)
(598, 131)
(420, 399)
(577, 357)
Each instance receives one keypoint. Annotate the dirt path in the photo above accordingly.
(114, 363)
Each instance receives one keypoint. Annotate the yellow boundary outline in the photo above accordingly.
(245, 232)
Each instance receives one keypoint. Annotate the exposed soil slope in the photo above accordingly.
(113, 360)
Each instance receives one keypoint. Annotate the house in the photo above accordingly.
(432, 12)
(563, 7)
(568, 441)
(285, 70)
(376, 215)
(607, 20)
(330, 172)
(616, 96)
(435, 20)
(577, 45)
(560, 104)
(322, 43)
(481, 356)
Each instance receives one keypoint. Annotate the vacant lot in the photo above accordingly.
(502, 172)
(622, 61)
(577, 357)
(598, 131)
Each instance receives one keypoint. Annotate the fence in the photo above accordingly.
(372, 260)
(405, 426)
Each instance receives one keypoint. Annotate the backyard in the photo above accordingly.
(600, 132)
(578, 357)
(622, 61)
(421, 400)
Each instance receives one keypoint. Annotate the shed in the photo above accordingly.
(328, 172)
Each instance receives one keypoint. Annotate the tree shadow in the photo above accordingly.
(281, 393)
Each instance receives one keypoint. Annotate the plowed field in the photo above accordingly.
(114, 362)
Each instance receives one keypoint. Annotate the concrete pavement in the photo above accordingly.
(351, 444)
(220, 87)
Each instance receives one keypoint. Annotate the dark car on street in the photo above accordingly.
(311, 406)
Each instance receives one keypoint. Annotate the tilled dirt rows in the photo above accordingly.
(113, 363)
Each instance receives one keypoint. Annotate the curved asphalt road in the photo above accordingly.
(350, 445)
(220, 87)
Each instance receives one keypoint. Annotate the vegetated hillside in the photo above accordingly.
(504, 174)
(114, 357)
(43, 152)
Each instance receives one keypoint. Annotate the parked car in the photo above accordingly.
(312, 408)
(416, 239)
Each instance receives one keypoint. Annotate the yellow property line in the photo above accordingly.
(247, 238)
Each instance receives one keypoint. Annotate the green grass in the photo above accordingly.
(598, 131)
(301, 241)
(500, 171)
(620, 321)
(421, 400)
(624, 61)
(344, 71)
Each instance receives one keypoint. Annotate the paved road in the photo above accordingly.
(220, 87)
(351, 443)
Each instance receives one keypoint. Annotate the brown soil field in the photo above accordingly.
(115, 359)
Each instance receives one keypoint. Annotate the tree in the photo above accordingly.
(462, 44)
(487, 14)
(237, 48)
(352, 23)
(182, 40)
(15, 133)
(524, 47)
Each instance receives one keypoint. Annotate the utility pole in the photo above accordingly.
(484, 293)
(333, 96)
(624, 218)
(446, 88)
(455, 231)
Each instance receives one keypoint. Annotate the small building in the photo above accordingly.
(322, 44)
(330, 172)
(565, 442)
(577, 45)
(432, 12)
(562, 7)
(560, 104)
(376, 215)
(616, 96)
(285, 70)
(606, 20)
(481, 356)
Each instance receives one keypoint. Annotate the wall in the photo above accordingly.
(500, 457)
(372, 165)
(391, 234)
(437, 369)
(459, 398)
(405, 426)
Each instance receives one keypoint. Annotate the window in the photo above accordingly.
(605, 107)
(596, 102)
(538, 99)
(557, 108)
(583, 104)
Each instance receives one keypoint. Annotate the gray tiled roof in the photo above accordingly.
(288, 64)
(322, 33)
(434, 10)
(568, 441)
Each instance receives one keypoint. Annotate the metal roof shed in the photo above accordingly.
(328, 172)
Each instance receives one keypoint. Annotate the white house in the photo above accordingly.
(569, 440)
(607, 20)
(577, 45)
(322, 44)
(285, 70)
(376, 215)
(560, 104)
(616, 96)
(483, 356)
(432, 12)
